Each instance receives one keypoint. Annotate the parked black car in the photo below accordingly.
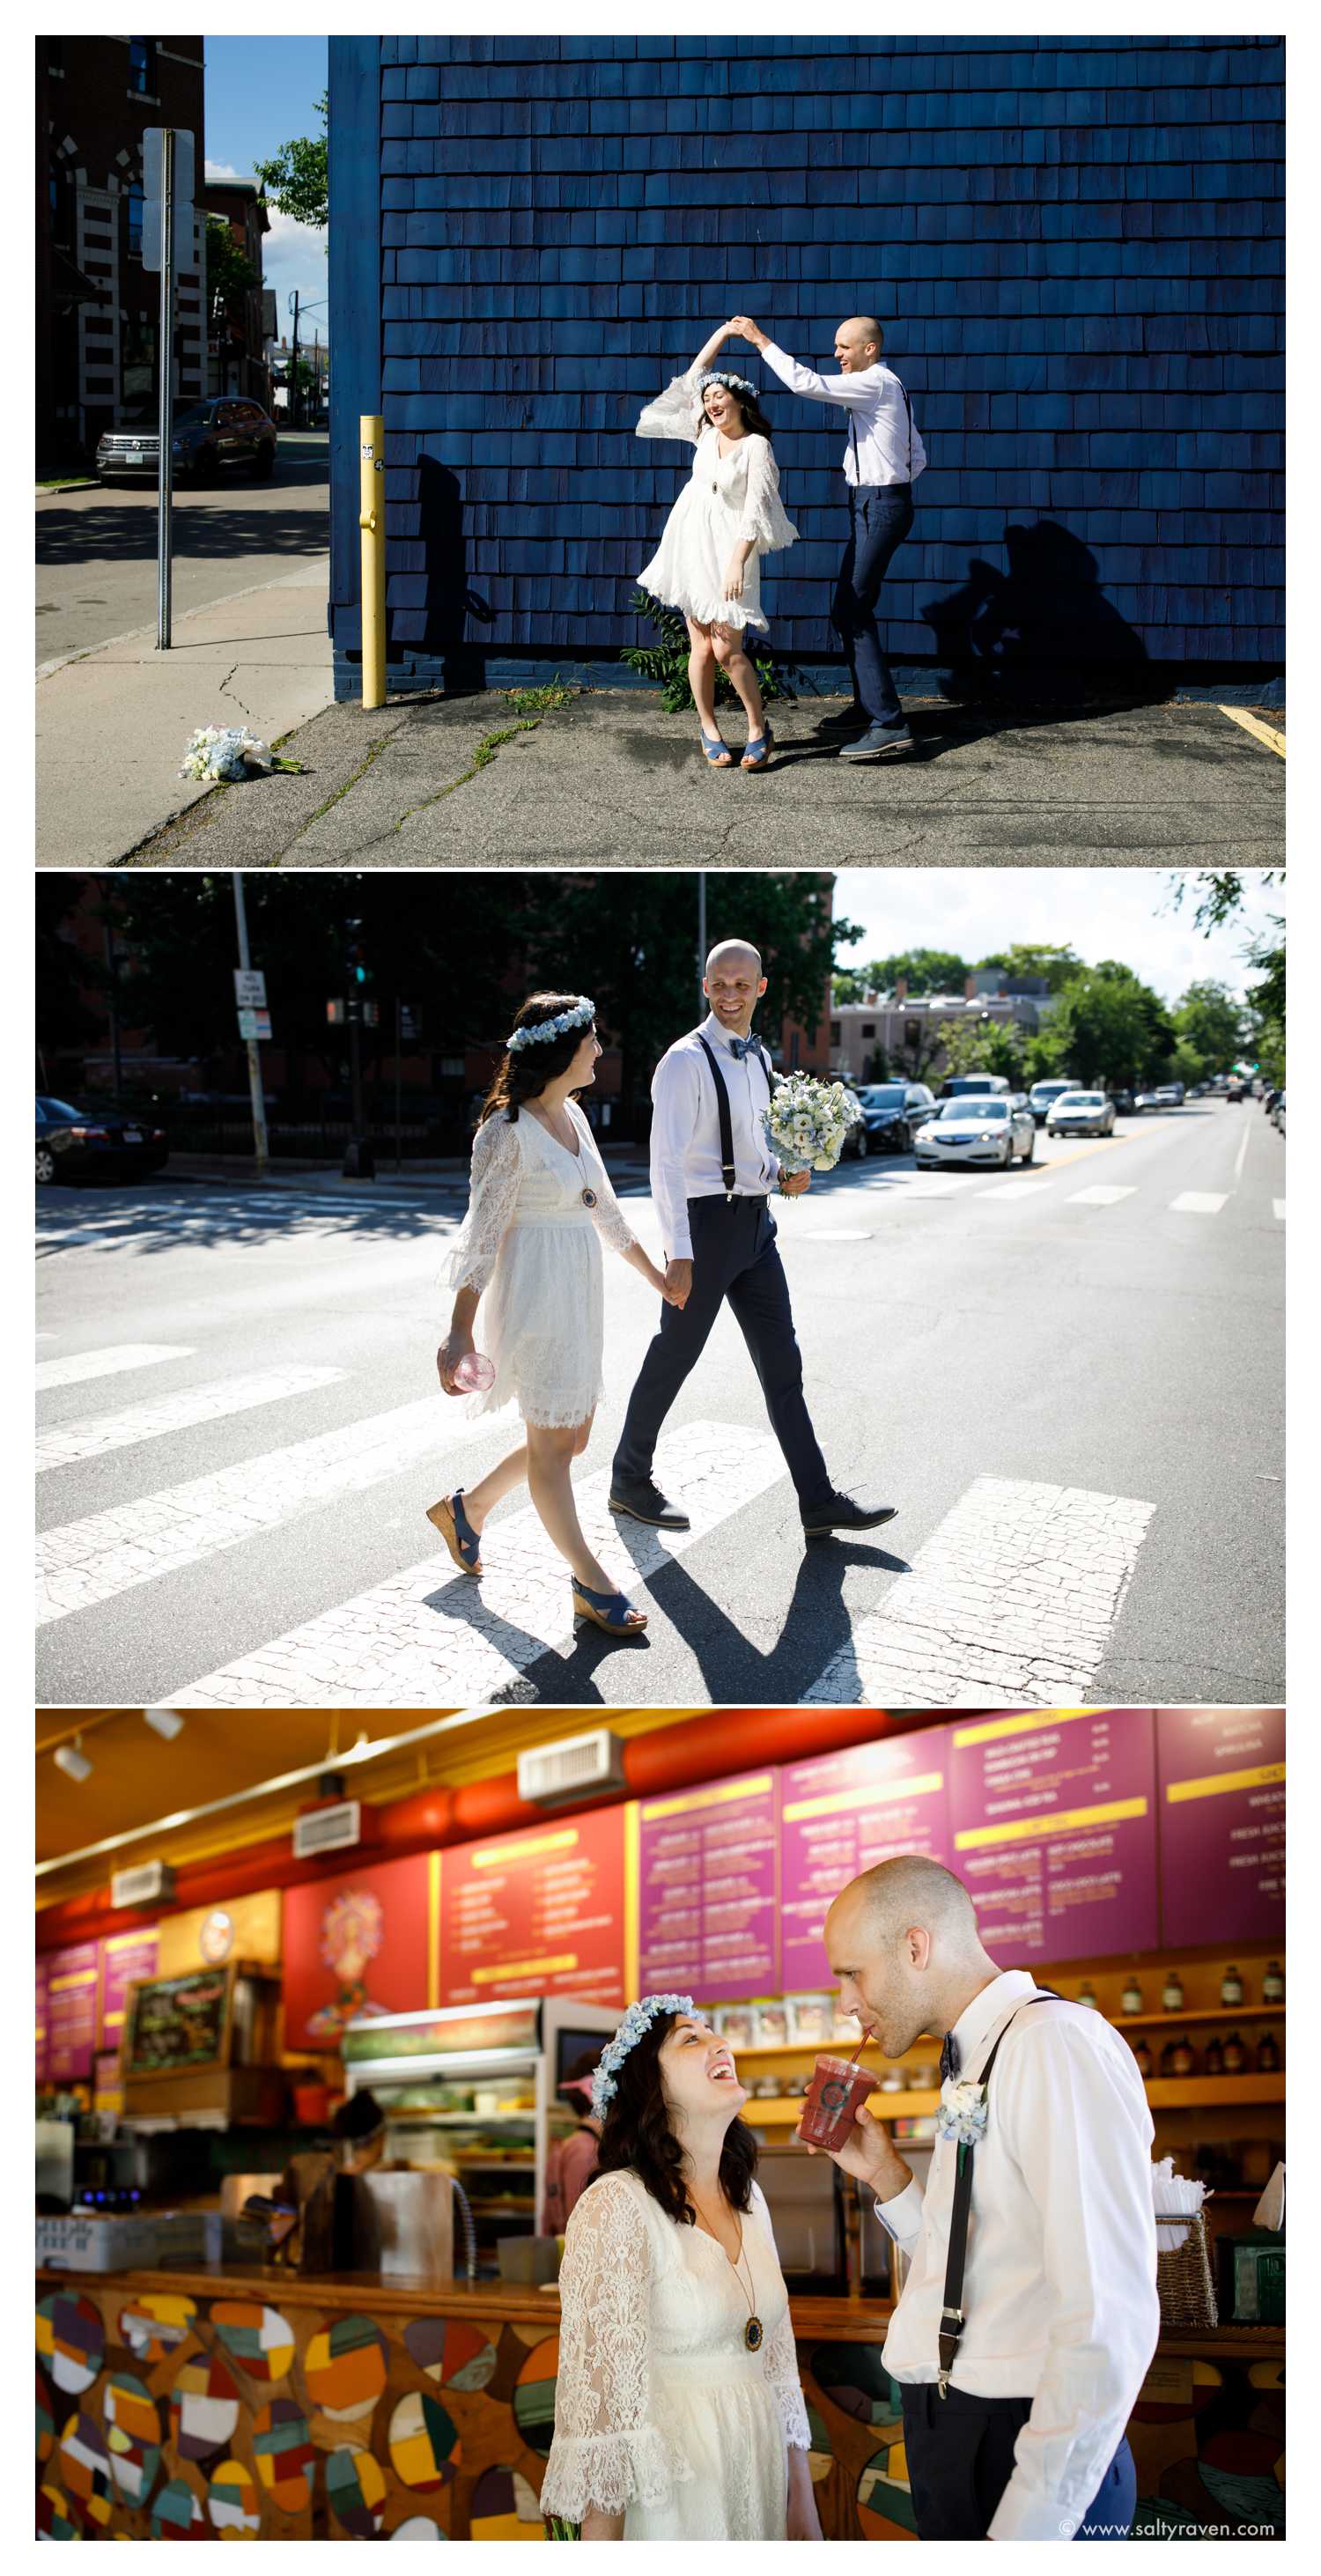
(71, 1142)
(209, 437)
(890, 1112)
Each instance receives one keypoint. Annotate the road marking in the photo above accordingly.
(1278, 1205)
(109, 1362)
(62, 1443)
(1012, 1600)
(999, 1191)
(1199, 1202)
(838, 1233)
(92, 1560)
(1098, 1196)
(1242, 1154)
(431, 1636)
(928, 1185)
(1273, 739)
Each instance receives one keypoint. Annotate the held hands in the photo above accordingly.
(455, 1347)
(661, 1282)
(870, 2153)
(677, 1285)
(793, 1184)
(746, 329)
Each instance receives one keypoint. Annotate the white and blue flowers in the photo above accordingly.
(807, 1122)
(228, 752)
(962, 2112)
(541, 1032)
(635, 2025)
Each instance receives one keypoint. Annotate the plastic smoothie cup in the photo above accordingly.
(835, 2095)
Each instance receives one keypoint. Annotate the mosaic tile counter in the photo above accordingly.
(216, 2405)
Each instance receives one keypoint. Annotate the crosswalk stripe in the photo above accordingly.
(1002, 1191)
(1098, 1196)
(91, 1560)
(81, 1365)
(1278, 1205)
(432, 1635)
(61, 1444)
(1199, 1202)
(930, 1185)
(1011, 1600)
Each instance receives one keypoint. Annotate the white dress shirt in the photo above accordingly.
(685, 1131)
(878, 446)
(1059, 2292)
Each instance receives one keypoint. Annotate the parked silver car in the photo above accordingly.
(1081, 1113)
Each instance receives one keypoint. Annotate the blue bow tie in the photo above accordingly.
(745, 1046)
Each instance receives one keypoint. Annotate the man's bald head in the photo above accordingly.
(902, 1941)
(733, 952)
(913, 1890)
(858, 343)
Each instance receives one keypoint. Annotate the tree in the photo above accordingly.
(1221, 893)
(985, 1046)
(298, 179)
(230, 274)
(1208, 1024)
(924, 970)
(1054, 965)
(1107, 1028)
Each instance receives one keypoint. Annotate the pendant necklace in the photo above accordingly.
(754, 2332)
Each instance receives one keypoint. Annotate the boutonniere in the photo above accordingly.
(962, 2112)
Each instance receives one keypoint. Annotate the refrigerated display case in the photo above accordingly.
(471, 2090)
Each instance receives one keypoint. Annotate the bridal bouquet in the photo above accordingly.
(807, 1122)
(228, 752)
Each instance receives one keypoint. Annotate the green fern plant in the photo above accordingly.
(666, 663)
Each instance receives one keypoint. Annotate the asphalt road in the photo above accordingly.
(96, 549)
(1070, 1381)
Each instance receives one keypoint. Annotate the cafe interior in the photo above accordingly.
(310, 1986)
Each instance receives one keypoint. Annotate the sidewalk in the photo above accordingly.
(442, 1178)
(112, 724)
(484, 781)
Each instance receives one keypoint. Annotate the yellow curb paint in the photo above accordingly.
(1273, 740)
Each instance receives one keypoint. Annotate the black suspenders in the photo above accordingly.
(951, 2315)
(727, 1166)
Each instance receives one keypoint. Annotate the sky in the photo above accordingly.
(261, 91)
(1125, 913)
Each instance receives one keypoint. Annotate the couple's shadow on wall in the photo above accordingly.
(452, 607)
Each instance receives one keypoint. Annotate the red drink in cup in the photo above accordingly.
(835, 2095)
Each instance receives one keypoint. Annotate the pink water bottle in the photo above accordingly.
(474, 1374)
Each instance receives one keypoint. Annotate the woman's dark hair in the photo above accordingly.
(754, 418)
(525, 1074)
(637, 2137)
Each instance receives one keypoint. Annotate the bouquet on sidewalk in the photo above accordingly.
(229, 752)
(807, 1122)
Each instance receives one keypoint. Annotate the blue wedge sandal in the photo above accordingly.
(449, 1517)
(612, 1611)
(716, 749)
(758, 753)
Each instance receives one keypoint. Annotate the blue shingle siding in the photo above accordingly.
(1076, 249)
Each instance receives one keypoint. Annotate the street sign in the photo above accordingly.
(185, 255)
(254, 1024)
(250, 988)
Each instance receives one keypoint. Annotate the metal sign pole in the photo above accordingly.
(259, 1144)
(165, 469)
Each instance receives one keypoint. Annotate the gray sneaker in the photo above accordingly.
(880, 742)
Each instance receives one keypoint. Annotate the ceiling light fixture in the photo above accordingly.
(164, 1721)
(72, 1761)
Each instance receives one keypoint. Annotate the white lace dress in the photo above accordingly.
(660, 2409)
(726, 499)
(529, 1247)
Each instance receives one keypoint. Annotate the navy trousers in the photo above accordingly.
(735, 1258)
(880, 516)
(960, 2453)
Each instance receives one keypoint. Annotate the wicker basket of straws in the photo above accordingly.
(1183, 2265)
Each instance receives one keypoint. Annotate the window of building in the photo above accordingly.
(61, 209)
(134, 196)
(138, 383)
(834, 1032)
(869, 1028)
(142, 65)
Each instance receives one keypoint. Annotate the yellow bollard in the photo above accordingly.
(371, 520)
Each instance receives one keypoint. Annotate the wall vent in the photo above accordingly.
(328, 1829)
(151, 1883)
(580, 1766)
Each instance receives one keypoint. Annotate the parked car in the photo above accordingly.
(1123, 1101)
(1146, 1100)
(980, 1129)
(1170, 1095)
(1042, 1097)
(208, 437)
(1236, 1088)
(1268, 1100)
(890, 1112)
(971, 1086)
(73, 1142)
(1277, 1113)
(1081, 1113)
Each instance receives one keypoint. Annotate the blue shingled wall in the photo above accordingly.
(1075, 246)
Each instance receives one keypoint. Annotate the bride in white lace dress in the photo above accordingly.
(728, 515)
(678, 2409)
(540, 1205)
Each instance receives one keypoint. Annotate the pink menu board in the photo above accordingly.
(843, 1813)
(707, 1918)
(1054, 1818)
(42, 2037)
(539, 1912)
(1221, 1823)
(71, 1988)
(125, 1956)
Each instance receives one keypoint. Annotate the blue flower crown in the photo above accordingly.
(540, 1032)
(635, 2025)
(723, 376)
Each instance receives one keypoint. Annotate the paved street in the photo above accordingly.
(96, 549)
(1069, 1379)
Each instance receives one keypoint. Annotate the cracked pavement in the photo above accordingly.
(612, 778)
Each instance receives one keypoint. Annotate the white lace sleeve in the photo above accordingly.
(607, 2450)
(763, 520)
(497, 1169)
(677, 413)
(607, 1215)
(781, 2359)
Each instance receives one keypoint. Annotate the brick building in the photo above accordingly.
(236, 339)
(97, 317)
(901, 1032)
(1075, 247)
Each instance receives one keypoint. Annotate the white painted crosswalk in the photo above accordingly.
(1098, 1196)
(63, 1444)
(83, 1365)
(1199, 1202)
(432, 1637)
(1279, 1209)
(1012, 1599)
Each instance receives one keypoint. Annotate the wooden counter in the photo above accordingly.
(259, 2404)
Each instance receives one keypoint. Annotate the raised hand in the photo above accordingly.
(747, 329)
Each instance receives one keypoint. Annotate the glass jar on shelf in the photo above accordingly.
(1272, 1984)
(1236, 2055)
(1142, 2058)
(1185, 2056)
(1268, 2054)
(1171, 1993)
(1213, 2062)
(1131, 1998)
(1087, 1994)
(1231, 1990)
(1167, 2058)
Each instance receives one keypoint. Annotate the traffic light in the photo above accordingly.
(358, 972)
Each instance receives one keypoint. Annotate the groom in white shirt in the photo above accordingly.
(1044, 2339)
(712, 1172)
